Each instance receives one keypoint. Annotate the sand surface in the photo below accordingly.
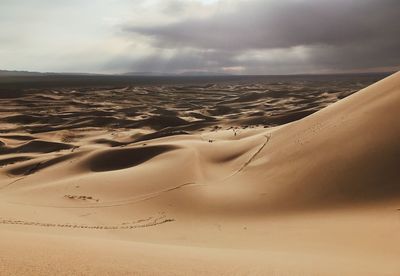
(97, 182)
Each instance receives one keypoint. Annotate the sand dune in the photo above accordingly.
(317, 196)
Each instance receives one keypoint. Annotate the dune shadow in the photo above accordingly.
(118, 159)
(37, 146)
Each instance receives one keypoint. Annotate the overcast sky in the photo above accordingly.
(172, 36)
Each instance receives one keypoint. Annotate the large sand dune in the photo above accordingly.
(318, 196)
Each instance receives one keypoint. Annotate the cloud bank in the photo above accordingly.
(248, 37)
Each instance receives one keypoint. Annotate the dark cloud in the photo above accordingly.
(282, 24)
(339, 35)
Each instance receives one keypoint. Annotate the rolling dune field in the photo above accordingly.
(235, 177)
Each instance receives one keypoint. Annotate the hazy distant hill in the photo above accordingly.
(189, 73)
(146, 74)
(7, 73)
(203, 73)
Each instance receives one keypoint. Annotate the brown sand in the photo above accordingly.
(319, 196)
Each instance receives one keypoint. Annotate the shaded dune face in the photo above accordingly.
(32, 167)
(118, 159)
(35, 146)
(12, 160)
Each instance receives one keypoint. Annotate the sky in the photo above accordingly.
(219, 36)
